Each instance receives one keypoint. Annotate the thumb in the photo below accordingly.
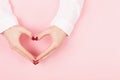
(24, 52)
(47, 52)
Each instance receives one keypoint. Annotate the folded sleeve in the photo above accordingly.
(7, 19)
(67, 15)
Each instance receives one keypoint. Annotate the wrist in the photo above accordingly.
(61, 31)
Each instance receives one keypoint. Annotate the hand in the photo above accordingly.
(57, 36)
(13, 34)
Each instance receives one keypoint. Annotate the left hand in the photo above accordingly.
(13, 35)
(57, 36)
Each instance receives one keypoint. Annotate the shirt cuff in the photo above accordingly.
(7, 22)
(63, 24)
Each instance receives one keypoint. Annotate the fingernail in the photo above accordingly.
(35, 62)
(34, 38)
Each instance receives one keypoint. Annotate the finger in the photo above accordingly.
(24, 52)
(47, 52)
(43, 34)
(46, 56)
(27, 32)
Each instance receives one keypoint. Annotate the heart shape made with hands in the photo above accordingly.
(25, 42)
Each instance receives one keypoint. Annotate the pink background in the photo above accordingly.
(92, 52)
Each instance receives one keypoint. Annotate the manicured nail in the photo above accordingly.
(34, 38)
(35, 62)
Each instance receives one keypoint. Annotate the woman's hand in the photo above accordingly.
(57, 36)
(13, 34)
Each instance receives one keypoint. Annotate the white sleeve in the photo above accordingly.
(67, 15)
(7, 19)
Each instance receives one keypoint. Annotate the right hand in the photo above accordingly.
(13, 35)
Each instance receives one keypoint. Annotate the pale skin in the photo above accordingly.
(13, 35)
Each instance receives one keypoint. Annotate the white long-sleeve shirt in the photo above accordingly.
(66, 17)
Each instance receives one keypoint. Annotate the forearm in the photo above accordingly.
(67, 15)
(7, 18)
